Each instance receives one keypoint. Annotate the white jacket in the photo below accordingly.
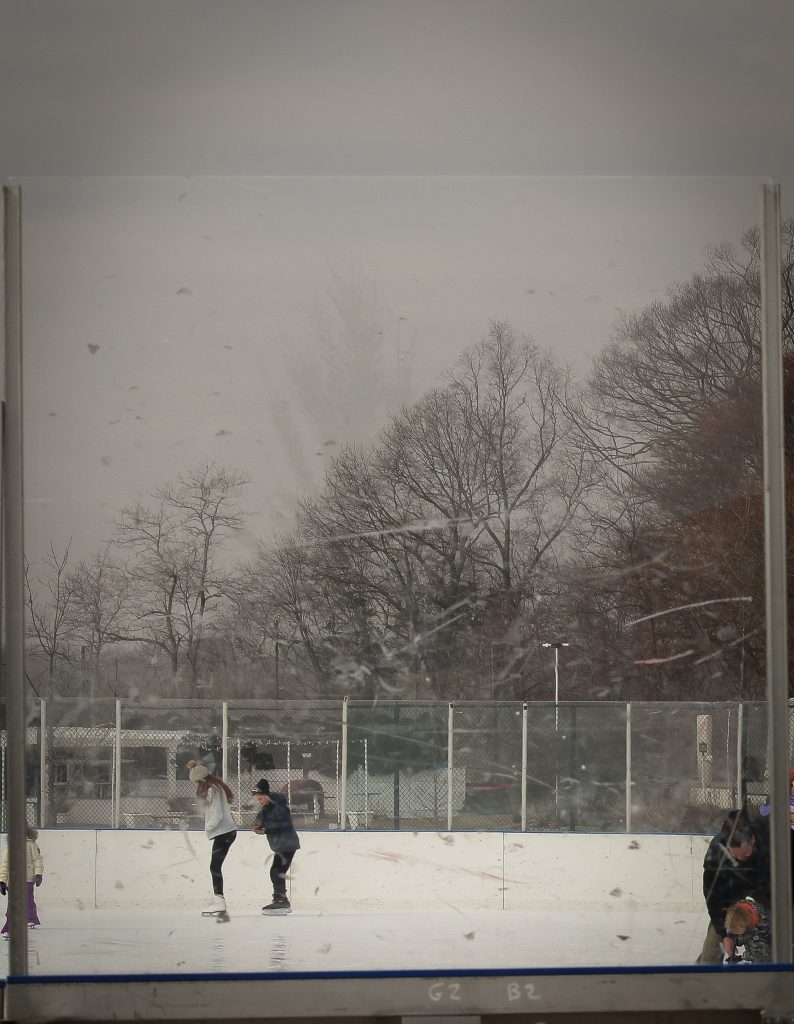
(218, 818)
(35, 861)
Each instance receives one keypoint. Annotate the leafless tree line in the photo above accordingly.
(509, 506)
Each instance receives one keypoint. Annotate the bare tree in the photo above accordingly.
(293, 613)
(674, 411)
(174, 545)
(427, 542)
(49, 602)
(100, 608)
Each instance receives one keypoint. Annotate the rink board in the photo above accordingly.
(536, 996)
(89, 868)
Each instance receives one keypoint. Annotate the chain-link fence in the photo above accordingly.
(596, 766)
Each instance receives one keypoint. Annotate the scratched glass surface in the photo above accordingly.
(437, 503)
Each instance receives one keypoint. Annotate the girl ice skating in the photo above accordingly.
(219, 825)
(35, 873)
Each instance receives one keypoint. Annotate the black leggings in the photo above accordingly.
(220, 847)
(278, 872)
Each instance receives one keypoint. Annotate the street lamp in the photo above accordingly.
(557, 644)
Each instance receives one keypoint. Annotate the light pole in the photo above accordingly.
(557, 644)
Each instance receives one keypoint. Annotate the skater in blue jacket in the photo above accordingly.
(275, 821)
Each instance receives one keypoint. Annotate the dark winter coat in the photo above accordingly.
(757, 941)
(726, 880)
(276, 819)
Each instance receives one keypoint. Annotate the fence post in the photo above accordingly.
(628, 767)
(225, 741)
(366, 784)
(44, 771)
(239, 782)
(343, 780)
(117, 768)
(524, 717)
(336, 780)
(450, 746)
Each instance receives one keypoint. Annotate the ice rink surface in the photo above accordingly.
(75, 942)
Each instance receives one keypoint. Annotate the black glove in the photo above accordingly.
(3, 888)
(38, 879)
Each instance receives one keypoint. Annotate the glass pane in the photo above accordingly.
(434, 502)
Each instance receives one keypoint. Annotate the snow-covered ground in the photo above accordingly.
(156, 941)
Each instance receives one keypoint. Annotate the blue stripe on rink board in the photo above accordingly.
(496, 972)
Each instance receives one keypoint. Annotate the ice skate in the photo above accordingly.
(278, 907)
(216, 909)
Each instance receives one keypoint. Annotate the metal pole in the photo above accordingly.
(338, 796)
(450, 751)
(225, 740)
(117, 767)
(343, 787)
(44, 774)
(239, 783)
(775, 550)
(366, 784)
(524, 722)
(556, 729)
(13, 556)
(628, 767)
(740, 796)
(275, 630)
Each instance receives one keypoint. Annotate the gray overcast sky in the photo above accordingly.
(396, 86)
(200, 294)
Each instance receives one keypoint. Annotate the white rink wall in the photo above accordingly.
(380, 871)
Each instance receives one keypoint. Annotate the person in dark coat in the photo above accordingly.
(736, 866)
(275, 821)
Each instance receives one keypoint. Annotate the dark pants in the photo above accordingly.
(220, 847)
(33, 915)
(278, 872)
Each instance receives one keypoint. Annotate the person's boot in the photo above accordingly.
(280, 905)
(216, 909)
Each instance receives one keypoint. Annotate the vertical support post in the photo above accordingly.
(396, 772)
(13, 581)
(343, 779)
(524, 751)
(239, 782)
(741, 786)
(170, 778)
(225, 740)
(338, 790)
(366, 784)
(450, 762)
(628, 767)
(44, 766)
(117, 768)
(776, 565)
(556, 689)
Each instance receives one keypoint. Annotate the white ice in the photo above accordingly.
(157, 941)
